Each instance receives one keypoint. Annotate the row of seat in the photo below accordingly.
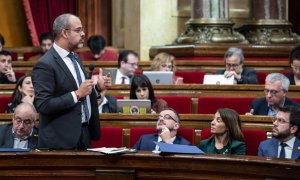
(113, 137)
(183, 104)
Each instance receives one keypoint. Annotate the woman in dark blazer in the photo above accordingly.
(227, 136)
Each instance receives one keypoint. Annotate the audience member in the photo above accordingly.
(141, 88)
(128, 63)
(168, 123)
(7, 75)
(106, 103)
(97, 46)
(46, 41)
(166, 62)
(234, 62)
(294, 77)
(21, 133)
(227, 136)
(64, 96)
(276, 87)
(23, 92)
(284, 142)
(2, 42)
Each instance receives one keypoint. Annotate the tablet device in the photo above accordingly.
(218, 79)
(134, 106)
(159, 77)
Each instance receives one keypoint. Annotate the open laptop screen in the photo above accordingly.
(159, 77)
(218, 79)
(134, 106)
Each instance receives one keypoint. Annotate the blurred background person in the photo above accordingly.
(234, 66)
(166, 62)
(294, 60)
(23, 93)
(2, 42)
(46, 41)
(227, 135)
(7, 74)
(141, 88)
(106, 103)
(98, 51)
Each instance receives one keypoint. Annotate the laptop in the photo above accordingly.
(159, 77)
(134, 106)
(218, 79)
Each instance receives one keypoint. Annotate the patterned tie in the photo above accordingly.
(282, 151)
(85, 106)
(123, 80)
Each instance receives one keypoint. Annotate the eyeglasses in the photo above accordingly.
(26, 122)
(78, 30)
(295, 68)
(133, 64)
(232, 65)
(166, 116)
(272, 92)
(167, 66)
(279, 120)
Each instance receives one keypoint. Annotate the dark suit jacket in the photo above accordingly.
(260, 105)
(146, 143)
(114, 76)
(233, 147)
(269, 148)
(60, 118)
(7, 138)
(111, 105)
(249, 76)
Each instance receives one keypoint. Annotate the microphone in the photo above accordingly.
(91, 71)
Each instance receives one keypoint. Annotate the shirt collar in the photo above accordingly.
(290, 142)
(61, 52)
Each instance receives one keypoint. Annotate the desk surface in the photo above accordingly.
(143, 165)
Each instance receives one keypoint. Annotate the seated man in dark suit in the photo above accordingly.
(276, 87)
(167, 125)
(285, 143)
(106, 103)
(21, 133)
(7, 74)
(234, 59)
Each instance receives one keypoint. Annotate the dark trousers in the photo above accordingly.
(85, 139)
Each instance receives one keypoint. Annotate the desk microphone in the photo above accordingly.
(91, 71)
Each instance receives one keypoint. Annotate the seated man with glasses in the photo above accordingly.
(294, 76)
(21, 133)
(167, 125)
(276, 87)
(234, 59)
(284, 142)
(128, 63)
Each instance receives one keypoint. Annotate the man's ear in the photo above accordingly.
(294, 129)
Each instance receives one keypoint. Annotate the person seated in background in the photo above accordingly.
(167, 125)
(46, 41)
(97, 46)
(7, 74)
(106, 103)
(294, 77)
(141, 88)
(21, 133)
(227, 135)
(128, 63)
(234, 62)
(23, 92)
(276, 87)
(284, 142)
(2, 42)
(166, 62)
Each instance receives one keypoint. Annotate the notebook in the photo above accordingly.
(134, 106)
(218, 79)
(159, 77)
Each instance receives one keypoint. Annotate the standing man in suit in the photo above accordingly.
(21, 133)
(276, 87)
(284, 143)
(167, 125)
(65, 98)
(234, 63)
(128, 63)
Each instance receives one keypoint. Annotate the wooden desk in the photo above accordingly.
(195, 121)
(142, 165)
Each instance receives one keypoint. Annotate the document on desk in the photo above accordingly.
(178, 148)
(112, 150)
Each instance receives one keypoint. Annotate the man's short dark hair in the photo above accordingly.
(2, 40)
(5, 53)
(295, 54)
(294, 115)
(45, 36)
(123, 56)
(96, 43)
